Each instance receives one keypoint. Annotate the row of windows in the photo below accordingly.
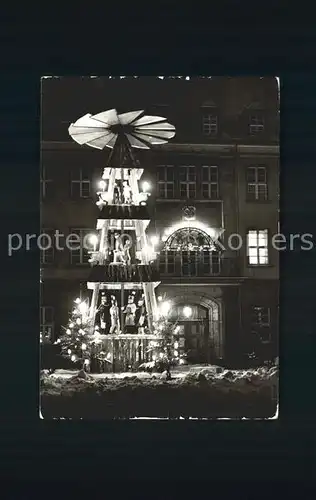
(192, 262)
(186, 187)
(78, 256)
(210, 124)
(260, 319)
(188, 183)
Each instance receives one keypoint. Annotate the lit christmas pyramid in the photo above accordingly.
(124, 274)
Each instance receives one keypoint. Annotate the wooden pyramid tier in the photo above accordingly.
(133, 273)
(127, 212)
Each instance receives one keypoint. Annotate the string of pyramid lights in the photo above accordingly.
(121, 133)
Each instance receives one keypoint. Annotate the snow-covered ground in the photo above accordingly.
(194, 391)
(213, 375)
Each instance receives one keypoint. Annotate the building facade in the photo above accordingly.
(214, 204)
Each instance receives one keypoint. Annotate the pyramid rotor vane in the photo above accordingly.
(105, 128)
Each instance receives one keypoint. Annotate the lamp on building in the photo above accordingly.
(146, 186)
(187, 312)
(154, 240)
(102, 185)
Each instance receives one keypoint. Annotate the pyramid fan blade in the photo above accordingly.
(157, 126)
(101, 143)
(86, 121)
(88, 130)
(85, 138)
(109, 117)
(148, 119)
(127, 118)
(136, 143)
(167, 134)
(150, 138)
(111, 142)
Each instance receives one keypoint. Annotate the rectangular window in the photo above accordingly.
(256, 124)
(260, 316)
(257, 183)
(47, 184)
(80, 246)
(47, 246)
(211, 262)
(257, 247)
(189, 263)
(209, 124)
(260, 322)
(47, 322)
(80, 183)
(167, 262)
(187, 177)
(210, 187)
(165, 181)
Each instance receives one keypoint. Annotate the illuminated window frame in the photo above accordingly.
(257, 247)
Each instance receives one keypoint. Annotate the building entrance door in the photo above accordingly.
(193, 341)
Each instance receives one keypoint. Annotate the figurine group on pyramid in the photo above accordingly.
(122, 194)
(108, 315)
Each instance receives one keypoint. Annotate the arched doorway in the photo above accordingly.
(203, 331)
(196, 324)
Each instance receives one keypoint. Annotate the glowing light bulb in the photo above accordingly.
(73, 358)
(159, 298)
(154, 240)
(176, 345)
(77, 301)
(102, 184)
(84, 347)
(69, 351)
(93, 240)
(187, 311)
(86, 362)
(71, 325)
(78, 321)
(83, 308)
(68, 331)
(165, 307)
(176, 353)
(145, 186)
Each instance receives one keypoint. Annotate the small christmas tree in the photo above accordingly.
(77, 342)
